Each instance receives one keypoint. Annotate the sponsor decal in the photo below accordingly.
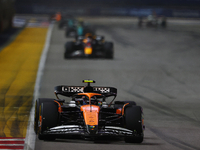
(92, 127)
(102, 90)
(72, 89)
(80, 89)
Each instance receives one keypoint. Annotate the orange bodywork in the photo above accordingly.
(123, 108)
(119, 111)
(59, 107)
(58, 16)
(90, 112)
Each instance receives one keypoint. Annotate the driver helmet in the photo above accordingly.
(85, 100)
(88, 35)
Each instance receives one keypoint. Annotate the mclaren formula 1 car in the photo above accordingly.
(89, 46)
(88, 114)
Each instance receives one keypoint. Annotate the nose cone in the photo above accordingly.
(91, 118)
(91, 114)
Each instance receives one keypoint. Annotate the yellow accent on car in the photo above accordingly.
(88, 81)
(88, 50)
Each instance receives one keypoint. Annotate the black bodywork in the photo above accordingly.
(100, 48)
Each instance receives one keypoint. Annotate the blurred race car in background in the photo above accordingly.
(76, 27)
(88, 114)
(152, 21)
(89, 46)
(66, 21)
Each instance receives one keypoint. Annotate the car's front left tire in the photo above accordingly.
(49, 118)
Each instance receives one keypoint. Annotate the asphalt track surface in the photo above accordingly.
(156, 68)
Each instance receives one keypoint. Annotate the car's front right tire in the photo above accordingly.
(37, 105)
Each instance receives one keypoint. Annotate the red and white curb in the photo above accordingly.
(8, 143)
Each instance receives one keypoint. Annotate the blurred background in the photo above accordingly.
(126, 8)
(168, 8)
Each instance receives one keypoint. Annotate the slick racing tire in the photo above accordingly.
(108, 49)
(120, 104)
(68, 49)
(133, 121)
(49, 115)
(37, 105)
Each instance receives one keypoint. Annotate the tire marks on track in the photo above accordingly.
(159, 92)
(166, 111)
(163, 109)
(173, 141)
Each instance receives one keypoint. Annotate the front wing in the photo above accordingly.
(81, 54)
(79, 130)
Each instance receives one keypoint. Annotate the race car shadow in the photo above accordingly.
(101, 140)
(97, 58)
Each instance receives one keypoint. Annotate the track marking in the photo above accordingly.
(30, 135)
(8, 143)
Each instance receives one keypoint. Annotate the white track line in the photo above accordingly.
(11, 145)
(30, 135)
(14, 139)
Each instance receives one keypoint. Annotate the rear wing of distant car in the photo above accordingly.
(69, 91)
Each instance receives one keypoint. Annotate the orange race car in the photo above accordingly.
(88, 114)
